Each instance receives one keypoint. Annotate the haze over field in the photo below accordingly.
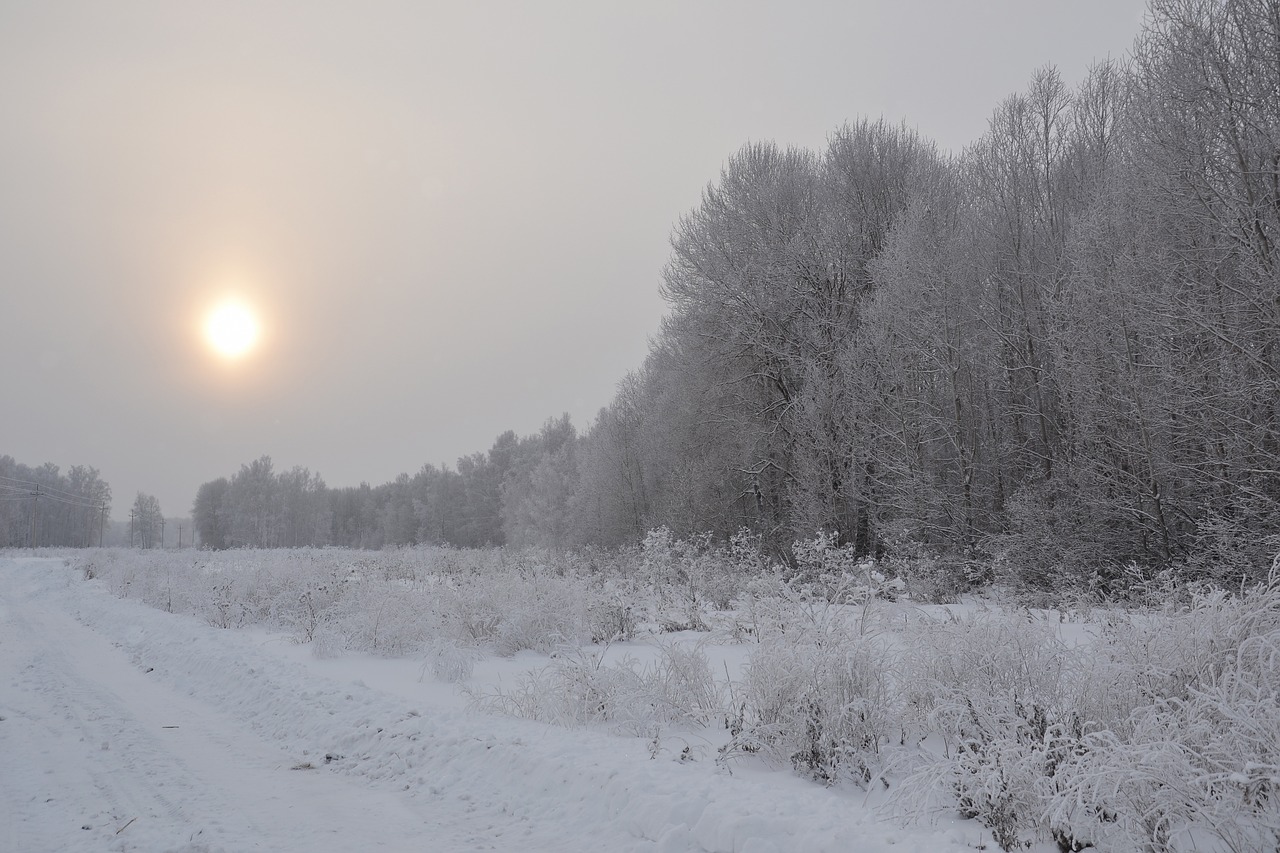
(451, 221)
(941, 510)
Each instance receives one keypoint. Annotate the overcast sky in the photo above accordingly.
(452, 217)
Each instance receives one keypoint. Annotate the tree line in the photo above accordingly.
(56, 509)
(1057, 352)
(42, 507)
(517, 493)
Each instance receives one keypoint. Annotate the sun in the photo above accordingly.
(231, 329)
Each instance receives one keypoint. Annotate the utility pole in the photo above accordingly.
(35, 501)
(102, 523)
(179, 537)
(131, 528)
(162, 531)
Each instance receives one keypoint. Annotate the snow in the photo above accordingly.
(129, 729)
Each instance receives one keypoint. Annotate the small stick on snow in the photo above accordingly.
(126, 826)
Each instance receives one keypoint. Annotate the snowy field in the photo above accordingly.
(335, 700)
(127, 728)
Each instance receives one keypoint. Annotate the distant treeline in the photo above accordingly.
(1057, 352)
(491, 499)
(70, 509)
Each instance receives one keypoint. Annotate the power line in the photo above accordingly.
(13, 489)
(81, 503)
(23, 494)
(45, 486)
(73, 500)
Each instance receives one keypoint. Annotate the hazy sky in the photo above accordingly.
(452, 217)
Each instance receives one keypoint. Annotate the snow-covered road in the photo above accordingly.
(100, 755)
(127, 729)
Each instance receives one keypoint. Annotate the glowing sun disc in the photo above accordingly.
(231, 329)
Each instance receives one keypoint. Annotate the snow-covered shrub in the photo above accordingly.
(545, 612)
(764, 607)
(87, 563)
(674, 569)
(981, 654)
(450, 660)
(388, 619)
(473, 612)
(593, 561)
(578, 688)
(1001, 693)
(1195, 765)
(1229, 549)
(816, 695)
(231, 592)
(688, 577)
(1058, 541)
(1139, 659)
(612, 614)
(572, 690)
(681, 687)
(1200, 774)
(220, 603)
(931, 576)
(770, 606)
(308, 602)
(821, 563)
(389, 602)
(1001, 766)
(540, 611)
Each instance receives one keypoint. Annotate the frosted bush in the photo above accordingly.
(1001, 767)
(770, 606)
(820, 561)
(1199, 767)
(763, 607)
(473, 612)
(931, 576)
(818, 698)
(539, 612)
(328, 642)
(1164, 734)
(986, 654)
(308, 602)
(451, 661)
(1143, 658)
(388, 619)
(681, 687)
(611, 614)
(687, 577)
(219, 603)
(542, 613)
(1001, 693)
(578, 689)
(386, 603)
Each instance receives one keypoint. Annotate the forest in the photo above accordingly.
(1050, 360)
(1045, 370)
(68, 509)
(1056, 353)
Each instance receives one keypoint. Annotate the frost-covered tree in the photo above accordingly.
(68, 508)
(537, 491)
(148, 522)
(211, 514)
(255, 510)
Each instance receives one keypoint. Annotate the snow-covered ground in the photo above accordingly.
(124, 728)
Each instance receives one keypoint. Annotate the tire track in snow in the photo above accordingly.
(445, 781)
(97, 743)
(87, 712)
